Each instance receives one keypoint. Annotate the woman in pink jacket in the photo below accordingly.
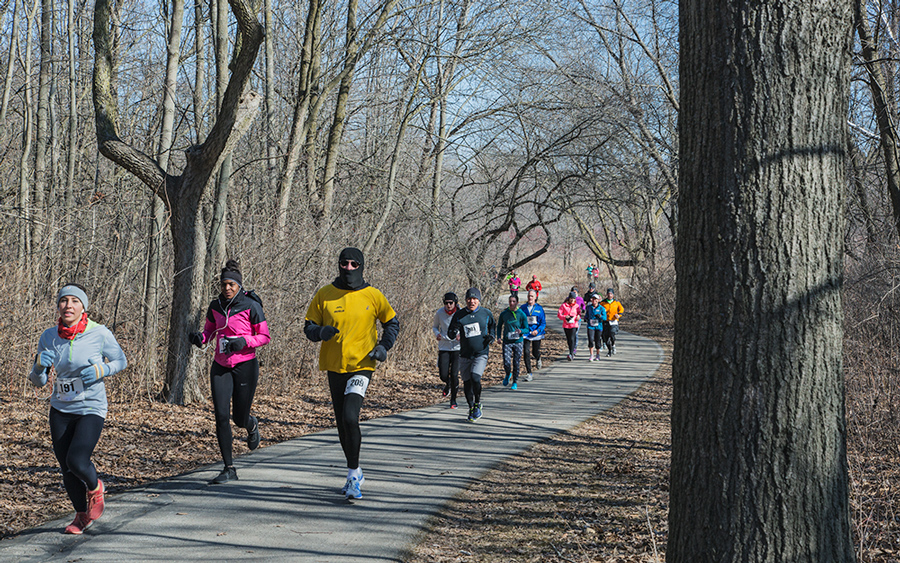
(235, 323)
(570, 314)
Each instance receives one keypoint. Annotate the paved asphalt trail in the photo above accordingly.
(287, 504)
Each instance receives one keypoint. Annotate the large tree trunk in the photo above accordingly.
(157, 205)
(759, 470)
(10, 68)
(182, 194)
(300, 122)
(42, 141)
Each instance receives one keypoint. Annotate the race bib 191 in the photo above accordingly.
(532, 320)
(473, 329)
(357, 384)
(68, 390)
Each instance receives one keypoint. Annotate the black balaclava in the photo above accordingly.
(350, 279)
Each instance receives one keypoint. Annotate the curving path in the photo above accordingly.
(287, 504)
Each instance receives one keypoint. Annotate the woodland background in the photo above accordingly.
(451, 139)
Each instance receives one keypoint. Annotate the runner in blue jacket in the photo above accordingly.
(537, 326)
(594, 317)
(81, 354)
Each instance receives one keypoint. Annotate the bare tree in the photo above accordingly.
(759, 468)
(183, 194)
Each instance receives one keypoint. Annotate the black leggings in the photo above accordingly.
(346, 413)
(74, 438)
(233, 385)
(531, 348)
(571, 338)
(594, 338)
(448, 370)
(609, 335)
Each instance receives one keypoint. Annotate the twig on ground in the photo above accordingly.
(561, 556)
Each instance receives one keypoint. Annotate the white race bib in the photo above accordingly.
(357, 384)
(473, 329)
(594, 322)
(222, 342)
(614, 323)
(68, 390)
(513, 334)
(532, 320)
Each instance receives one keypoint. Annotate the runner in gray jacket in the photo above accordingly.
(82, 354)
(448, 348)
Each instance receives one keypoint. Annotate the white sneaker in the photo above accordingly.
(528, 377)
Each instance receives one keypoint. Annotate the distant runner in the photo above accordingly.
(476, 328)
(570, 314)
(581, 306)
(594, 318)
(537, 324)
(82, 354)
(448, 349)
(510, 328)
(535, 286)
(343, 316)
(235, 323)
(614, 312)
(514, 284)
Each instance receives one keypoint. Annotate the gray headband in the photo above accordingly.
(74, 292)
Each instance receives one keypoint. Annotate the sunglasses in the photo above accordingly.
(449, 302)
(350, 263)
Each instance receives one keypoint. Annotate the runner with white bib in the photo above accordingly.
(594, 317)
(236, 325)
(614, 312)
(343, 316)
(476, 326)
(81, 354)
(537, 325)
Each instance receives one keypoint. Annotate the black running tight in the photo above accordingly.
(571, 338)
(235, 385)
(448, 370)
(532, 348)
(74, 438)
(346, 413)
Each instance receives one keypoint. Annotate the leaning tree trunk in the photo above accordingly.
(759, 470)
(182, 194)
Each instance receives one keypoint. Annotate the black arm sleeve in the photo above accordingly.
(389, 332)
(453, 329)
(312, 331)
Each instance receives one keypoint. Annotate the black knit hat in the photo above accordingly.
(450, 296)
(473, 292)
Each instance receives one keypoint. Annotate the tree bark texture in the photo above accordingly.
(759, 470)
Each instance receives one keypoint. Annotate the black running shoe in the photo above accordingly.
(446, 390)
(253, 435)
(227, 474)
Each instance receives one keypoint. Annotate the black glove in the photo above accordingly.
(327, 332)
(378, 353)
(235, 344)
(196, 338)
(488, 339)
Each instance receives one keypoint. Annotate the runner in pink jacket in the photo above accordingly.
(570, 314)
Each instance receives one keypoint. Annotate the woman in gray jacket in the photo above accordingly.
(82, 354)
(448, 349)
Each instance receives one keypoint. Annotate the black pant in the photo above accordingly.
(448, 370)
(74, 438)
(531, 348)
(571, 338)
(594, 338)
(609, 334)
(235, 385)
(346, 413)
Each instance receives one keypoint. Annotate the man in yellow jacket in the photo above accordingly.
(343, 317)
(614, 311)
